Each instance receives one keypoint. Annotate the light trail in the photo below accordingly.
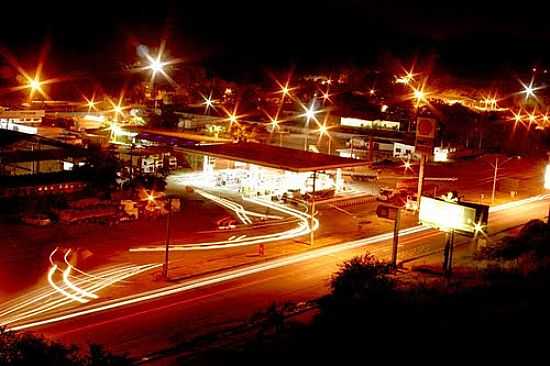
(238, 273)
(303, 228)
(242, 213)
(62, 291)
(122, 274)
(46, 292)
(81, 292)
(57, 296)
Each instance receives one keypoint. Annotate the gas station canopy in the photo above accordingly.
(273, 156)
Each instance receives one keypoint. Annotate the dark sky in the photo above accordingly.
(471, 39)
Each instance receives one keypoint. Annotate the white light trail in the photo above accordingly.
(58, 296)
(81, 292)
(301, 229)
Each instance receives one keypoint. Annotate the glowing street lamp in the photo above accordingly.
(419, 95)
(407, 165)
(208, 102)
(323, 131)
(90, 103)
(309, 114)
(285, 88)
(233, 118)
(34, 85)
(157, 65)
(529, 89)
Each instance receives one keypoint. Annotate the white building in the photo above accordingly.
(368, 124)
(401, 150)
(23, 117)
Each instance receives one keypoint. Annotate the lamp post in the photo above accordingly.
(309, 114)
(323, 131)
(419, 96)
(168, 204)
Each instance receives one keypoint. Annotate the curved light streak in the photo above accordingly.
(84, 287)
(46, 292)
(81, 292)
(303, 228)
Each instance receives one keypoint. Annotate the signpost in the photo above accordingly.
(391, 213)
(425, 134)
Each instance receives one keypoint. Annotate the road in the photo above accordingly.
(159, 323)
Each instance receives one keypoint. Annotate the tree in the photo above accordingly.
(361, 276)
(21, 349)
(534, 238)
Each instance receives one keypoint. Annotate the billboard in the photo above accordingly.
(447, 215)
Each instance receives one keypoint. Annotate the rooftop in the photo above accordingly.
(274, 156)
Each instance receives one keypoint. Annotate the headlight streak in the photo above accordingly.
(237, 273)
(42, 293)
(122, 274)
(81, 292)
(301, 229)
(84, 288)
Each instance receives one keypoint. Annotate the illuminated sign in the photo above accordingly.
(425, 127)
(425, 134)
(447, 215)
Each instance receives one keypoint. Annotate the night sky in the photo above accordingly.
(243, 38)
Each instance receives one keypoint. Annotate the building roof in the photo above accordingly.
(274, 156)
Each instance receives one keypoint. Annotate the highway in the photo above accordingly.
(204, 305)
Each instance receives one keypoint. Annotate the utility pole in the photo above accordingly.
(168, 222)
(312, 212)
(448, 254)
(371, 148)
(494, 181)
(395, 238)
(420, 180)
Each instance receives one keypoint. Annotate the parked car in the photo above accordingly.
(385, 194)
(36, 219)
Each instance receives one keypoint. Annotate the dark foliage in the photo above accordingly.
(370, 316)
(533, 238)
(23, 349)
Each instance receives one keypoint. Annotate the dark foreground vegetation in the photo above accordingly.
(497, 309)
(26, 349)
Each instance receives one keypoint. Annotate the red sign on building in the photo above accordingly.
(425, 134)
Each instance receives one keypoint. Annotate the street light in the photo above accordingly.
(529, 89)
(34, 84)
(309, 114)
(208, 102)
(151, 198)
(323, 131)
(90, 103)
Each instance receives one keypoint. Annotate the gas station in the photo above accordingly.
(267, 171)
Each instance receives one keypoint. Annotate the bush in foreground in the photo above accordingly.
(22, 349)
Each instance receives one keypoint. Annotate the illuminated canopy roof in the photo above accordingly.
(274, 156)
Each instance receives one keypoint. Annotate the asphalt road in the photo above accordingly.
(154, 325)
